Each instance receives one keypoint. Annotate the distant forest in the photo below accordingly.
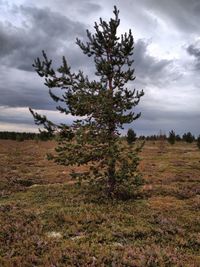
(43, 136)
(21, 136)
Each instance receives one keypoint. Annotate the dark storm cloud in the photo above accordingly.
(8, 42)
(51, 23)
(17, 93)
(31, 92)
(194, 51)
(44, 30)
(20, 46)
(55, 34)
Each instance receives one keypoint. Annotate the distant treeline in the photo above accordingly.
(172, 137)
(21, 136)
(186, 137)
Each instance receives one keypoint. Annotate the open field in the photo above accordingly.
(47, 220)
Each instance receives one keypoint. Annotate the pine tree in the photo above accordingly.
(188, 137)
(104, 105)
(131, 136)
(172, 137)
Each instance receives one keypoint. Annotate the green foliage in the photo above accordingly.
(104, 106)
(131, 136)
(188, 137)
(198, 141)
(172, 137)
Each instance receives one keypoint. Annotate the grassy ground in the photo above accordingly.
(46, 220)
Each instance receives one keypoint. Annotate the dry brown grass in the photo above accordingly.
(46, 220)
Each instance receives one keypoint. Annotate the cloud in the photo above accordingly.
(148, 69)
(153, 120)
(10, 39)
(23, 89)
(17, 127)
(89, 8)
(44, 30)
(20, 88)
(77, 7)
(182, 14)
(194, 50)
(21, 115)
(51, 23)
(50, 31)
(164, 72)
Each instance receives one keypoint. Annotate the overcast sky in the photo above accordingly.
(167, 57)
